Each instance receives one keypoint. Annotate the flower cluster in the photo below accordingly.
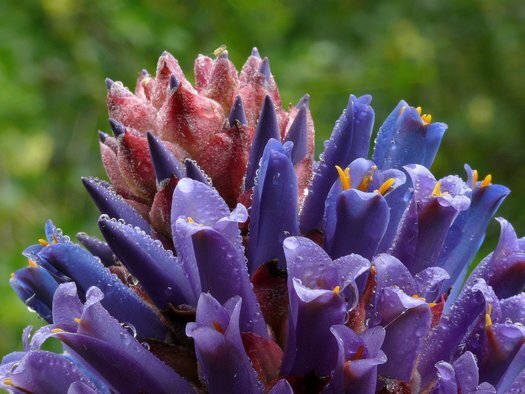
(232, 262)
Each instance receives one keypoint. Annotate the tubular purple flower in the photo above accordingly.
(112, 351)
(274, 207)
(467, 313)
(321, 291)
(160, 273)
(41, 371)
(468, 230)
(218, 342)
(407, 137)
(267, 128)
(425, 225)
(357, 359)
(86, 270)
(35, 287)
(349, 140)
(110, 203)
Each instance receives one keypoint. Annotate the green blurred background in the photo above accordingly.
(462, 61)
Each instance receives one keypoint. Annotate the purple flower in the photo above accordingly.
(232, 262)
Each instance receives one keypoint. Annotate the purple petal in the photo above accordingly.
(402, 314)
(274, 207)
(298, 134)
(223, 273)
(87, 271)
(110, 203)
(281, 387)
(218, 343)
(430, 281)
(349, 140)
(43, 372)
(159, 272)
(267, 128)
(237, 113)
(97, 248)
(193, 171)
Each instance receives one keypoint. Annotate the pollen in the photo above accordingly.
(77, 320)
(386, 186)
(367, 179)
(190, 220)
(8, 382)
(43, 242)
(436, 192)
(418, 297)
(486, 181)
(474, 178)
(12, 274)
(218, 327)
(426, 118)
(56, 330)
(488, 319)
(344, 175)
(337, 290)
(32, 263)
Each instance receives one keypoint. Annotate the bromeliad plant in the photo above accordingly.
(235, 263)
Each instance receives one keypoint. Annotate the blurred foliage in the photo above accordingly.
(463, 61)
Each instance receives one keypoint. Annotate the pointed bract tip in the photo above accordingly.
(164, 163)
(144, 73)
(102, 136)
(174, 82)
(223, 55)
(255, 52)
(237, 112)
(117, 127)
(109, 83)
(304, 101)
(264, 69)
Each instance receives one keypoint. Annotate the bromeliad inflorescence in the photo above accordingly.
(232, 262)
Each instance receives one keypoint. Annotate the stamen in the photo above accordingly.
(32, 263)
(218, 327)
(359, 353)
(488, 320)
(419, 110)
(56, 330)
(77, 320)
(474, 178)
(146, 81)
(418, 297)
(190, 220)
(367, 179)
(55, 241)
(344, 175)
(436, 192)
(12, 274)
(337, 290)
(386, 186)
(43, 242)
(426, 118)
(486, 181)
(8, 382)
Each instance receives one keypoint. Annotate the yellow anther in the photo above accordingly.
(190, 220)
(77, 320)
(486, 181)
(426, 118)
(43, 242)
(54, 239)
(12, 274)
(418, 297)
(337, 290)
(32, 263)
(474, 178)
(344, 175)
(432, 304)
(218, 327)
(488, 320)
(436, 192)
(367, 179)
(419, 110)
(56, 330)
(386, 186)
(8, 382)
